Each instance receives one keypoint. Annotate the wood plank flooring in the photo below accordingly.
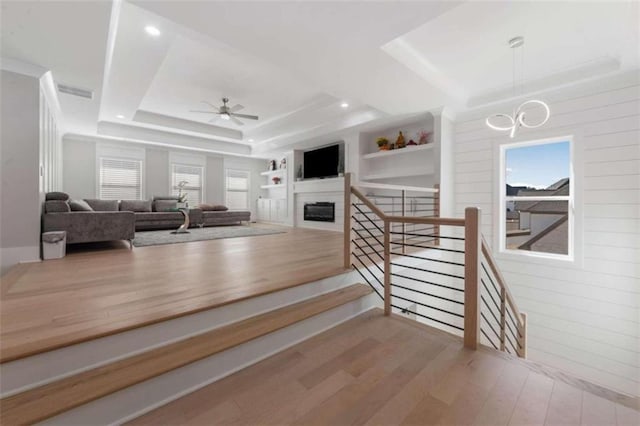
(90, 294)
(376, 370)
(54, 398)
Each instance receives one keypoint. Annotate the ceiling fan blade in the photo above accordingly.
(249, 117)
(204, 112)
(236, 107)
(217, 108)
(238, 122)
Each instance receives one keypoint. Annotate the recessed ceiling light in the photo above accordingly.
(250, 140)
(152, 31)
(344, 105)
(120, 116)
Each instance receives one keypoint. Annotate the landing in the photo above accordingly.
(377, 370)
(95, 293)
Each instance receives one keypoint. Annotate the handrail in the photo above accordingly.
(364, 184)
(368, 203)
(501, 281)
(478, 315)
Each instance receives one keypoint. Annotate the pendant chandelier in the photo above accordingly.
(511, 123)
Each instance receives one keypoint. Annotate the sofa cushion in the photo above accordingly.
(59, 196)
(135, 205)
(56, 206)
(164, 205)
(213, 208)
(166, 197)
(80, 206)
(103, 205)
(159, 216)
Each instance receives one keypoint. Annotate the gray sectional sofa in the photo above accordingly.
(106, 220)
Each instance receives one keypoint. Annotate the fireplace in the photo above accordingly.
(320, 212)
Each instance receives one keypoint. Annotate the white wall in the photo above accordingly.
(584, 316)
(20, 157)
(80, 174)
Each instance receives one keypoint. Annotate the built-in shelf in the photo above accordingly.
(398, 174)
(408, 150)
(273, 172)
(279, 185)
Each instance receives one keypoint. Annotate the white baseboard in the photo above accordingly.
(10, 256)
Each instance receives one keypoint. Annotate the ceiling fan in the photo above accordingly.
(225, 112)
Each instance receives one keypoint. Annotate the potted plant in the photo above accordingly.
(383, 143)
(182, 197)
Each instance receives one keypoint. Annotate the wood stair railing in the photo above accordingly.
(438, 269)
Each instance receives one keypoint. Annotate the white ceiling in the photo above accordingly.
(469, 46)
(293, 63)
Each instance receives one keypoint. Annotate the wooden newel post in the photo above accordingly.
(387, 268)
(523, 336)
(472, 253)
(347, 220)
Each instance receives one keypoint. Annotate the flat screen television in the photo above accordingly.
(322, 162)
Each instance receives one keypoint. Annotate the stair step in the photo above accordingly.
(57, 397)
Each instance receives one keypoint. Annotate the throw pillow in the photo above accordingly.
(56, 206)
(213, 208)
(135, 205)
(165, 205)
(166, 197)
(58, 196)
(80, 206)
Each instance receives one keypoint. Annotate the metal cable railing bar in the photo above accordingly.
(428, 294)
(395, 274)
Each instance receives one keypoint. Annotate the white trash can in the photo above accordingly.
(54, 245)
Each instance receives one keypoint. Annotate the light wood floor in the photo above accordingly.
(385, 371)
(89, 294)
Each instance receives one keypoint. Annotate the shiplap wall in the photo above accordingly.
(584, 316)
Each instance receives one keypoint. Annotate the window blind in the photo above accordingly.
(237, 189)
(120, 179)
(193, 175)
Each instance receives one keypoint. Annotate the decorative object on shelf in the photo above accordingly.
(276, 180)
(283, 163)
(412, 143)
(400, 143)
(423, 137)
(299, 174)
(511, 123)
(272, 165)
(383, 143)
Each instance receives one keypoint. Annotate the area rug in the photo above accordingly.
(154, 238)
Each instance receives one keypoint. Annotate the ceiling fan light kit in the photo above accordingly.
(517, 119)
(227, 113)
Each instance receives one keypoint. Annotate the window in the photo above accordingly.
(120, 179)
(237, 189)
(191, 178)
(536, 200)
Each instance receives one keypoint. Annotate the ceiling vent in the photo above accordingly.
(75, 91)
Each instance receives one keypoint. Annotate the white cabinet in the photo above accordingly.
(272, 210)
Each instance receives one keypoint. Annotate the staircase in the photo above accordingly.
(437, 270)
(46, 388)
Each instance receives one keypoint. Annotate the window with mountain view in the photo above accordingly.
(537, 197)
